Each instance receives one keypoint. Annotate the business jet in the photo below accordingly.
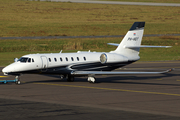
(85, 63)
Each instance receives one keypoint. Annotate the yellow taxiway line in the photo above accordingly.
(122, 90)
(3, 76)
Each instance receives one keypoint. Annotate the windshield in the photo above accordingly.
(23, 59)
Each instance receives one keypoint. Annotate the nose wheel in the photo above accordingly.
(17, 79)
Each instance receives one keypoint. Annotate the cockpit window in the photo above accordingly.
(23, 59)
(29, 60)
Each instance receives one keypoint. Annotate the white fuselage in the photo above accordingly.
(65, 63)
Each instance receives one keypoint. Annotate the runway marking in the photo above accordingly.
(122, 90)
(3, 76)
(177, 80)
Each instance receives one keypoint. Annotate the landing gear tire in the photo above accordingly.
(61, 76)
(70, 78)
(91, 79)
(18, 82)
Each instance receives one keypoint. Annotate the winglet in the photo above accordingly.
(170, 70)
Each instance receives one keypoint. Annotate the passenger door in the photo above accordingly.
(44, 62)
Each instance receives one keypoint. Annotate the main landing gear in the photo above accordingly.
(91, 79)
(70, 78)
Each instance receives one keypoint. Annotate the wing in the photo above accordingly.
(114, 73)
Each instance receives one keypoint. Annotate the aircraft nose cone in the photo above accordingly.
(4, 70)
(7, 70)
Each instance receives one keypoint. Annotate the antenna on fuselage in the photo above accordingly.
(15, 59)
(61, 51)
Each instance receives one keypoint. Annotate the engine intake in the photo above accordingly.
(103, 58)
(112, 58)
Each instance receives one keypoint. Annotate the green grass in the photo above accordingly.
(13, 48)
(30, 18)
(98, 44)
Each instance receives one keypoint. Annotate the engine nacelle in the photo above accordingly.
(112, 58)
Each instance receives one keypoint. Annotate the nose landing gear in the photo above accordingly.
(17, 79)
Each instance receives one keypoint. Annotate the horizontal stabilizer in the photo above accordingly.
(114, 73)
(140, 46)
(147, 46)
(114, 44)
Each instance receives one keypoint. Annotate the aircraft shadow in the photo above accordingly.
(132, 79)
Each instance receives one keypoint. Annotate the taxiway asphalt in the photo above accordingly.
(138, 97)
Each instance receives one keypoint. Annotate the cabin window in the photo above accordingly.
(49, 59)
(29, 60)
(23, 59)
(84, 58)
(77, 58)
(61, 59)
(66, 59)
(55, 59)
(32, 60)
(72, 58)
